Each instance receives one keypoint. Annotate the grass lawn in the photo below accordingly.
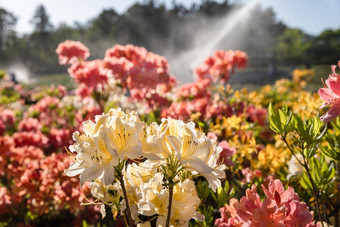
(59, 78)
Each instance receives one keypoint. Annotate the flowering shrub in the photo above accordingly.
(149, 153)
(175, 154)
(279, 208)
(70, 51)
(198, 97)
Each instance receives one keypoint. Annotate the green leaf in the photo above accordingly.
(202, 189)
(311, 152)
(305, 182)
(330, 153)
(221, 196)
(323, 132)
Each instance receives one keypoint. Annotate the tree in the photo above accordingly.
(40, 43)
(41, 20)
(292, 47)
(325, 47)
(105, 23)
(7, 22)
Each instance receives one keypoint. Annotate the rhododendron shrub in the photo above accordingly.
(221, 65)
(38, 184)
(280, 207)
(71, 51)
(199, 96)
(33, 159)
(142, 75)
(7, 120)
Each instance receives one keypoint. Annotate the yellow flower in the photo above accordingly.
(272, 158)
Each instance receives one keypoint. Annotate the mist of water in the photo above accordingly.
(206, 43)
(21, 72)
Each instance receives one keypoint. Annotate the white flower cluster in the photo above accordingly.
(118, 136)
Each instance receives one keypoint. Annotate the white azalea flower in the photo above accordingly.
(184, 204)
(101, 191)
(114, 137)
(155, 197)
(134, 178)
(193, 149)
(199, 154)
(154, 142)
(121, 134)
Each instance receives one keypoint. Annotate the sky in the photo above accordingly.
(312, 16)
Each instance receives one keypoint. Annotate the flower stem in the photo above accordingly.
(336, 210)
(314, 191)
(171, 191)
(305, 165)
(120, 177)
(128, 212)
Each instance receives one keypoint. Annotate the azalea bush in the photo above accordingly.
(131, 147)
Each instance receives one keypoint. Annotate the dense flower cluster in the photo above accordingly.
(302, 76)
(37, 181)
(132, 130)
(197, 97)
(279, 208)
(118, 136)
(221, 65)
(143, 75)
(31, 165)
(71, 51)
(7, 119)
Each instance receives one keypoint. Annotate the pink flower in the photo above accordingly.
(280, 208)
(2, 127)
(221, 65)
(137, 68)
(331, 95)
(178, 110)
(5, 201)
(226, 153)
(29, 124)
(212, 136)
(277, 192)
(218, 107)
(249, 174)
(8, 116)
(62, 90)
(120, 68)
(84, 91)
(30, 138)
(90, 73)
(60, 138)
(70, 51)
(258, 115)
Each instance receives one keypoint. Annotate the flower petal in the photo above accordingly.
(331, 114)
